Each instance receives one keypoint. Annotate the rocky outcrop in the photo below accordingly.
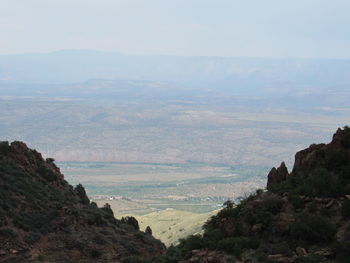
(302, 217)
(44, 219)
(276, 176)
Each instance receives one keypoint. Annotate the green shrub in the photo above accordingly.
(95, 253)
(130, 220)
(75, 244)
(296, 201)
(173, 255)
(4, 147)
(8, 232)
(107, 208)
(236, 245)
(79, 190)
(31, 238)
(148, 230)
(192, 242)
(47, 173)
(335, 159)
(313, 228)
(272, 203)
(228, 212)
(99, 239)
(94, 218)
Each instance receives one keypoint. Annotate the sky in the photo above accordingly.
(245, 28)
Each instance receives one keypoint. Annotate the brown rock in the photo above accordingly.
(276, 176)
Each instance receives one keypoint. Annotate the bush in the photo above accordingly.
(8, 232)
(79, 190)
(192, 242)
(313, 228)
(272, 203)
(95, 253)
(296, 201)
(236, 245)
(47, 173)
(107, 208)
(31, 238)
(95, 218)
(99, 239)
(130, 220)
(335, 159)
(148, 230)
(4, 147)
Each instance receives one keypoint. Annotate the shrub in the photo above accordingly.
(47, 173)
(296, 201)
(148, 230)
(130, 220)
(99, 239)
(95, 253)
(4, 147)
(50, 160)
(192, 242)
(313, 228)
(95, 219)
(107, 208)
(236, 245)
(79, 190)
(335, 159)
(75, 244)
(8, 232)
(272, 203)
(31, 238)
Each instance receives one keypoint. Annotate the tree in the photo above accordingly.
(148, 230)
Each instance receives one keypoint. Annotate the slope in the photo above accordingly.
(44, 219)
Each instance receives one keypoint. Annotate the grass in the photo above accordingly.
(170, 225)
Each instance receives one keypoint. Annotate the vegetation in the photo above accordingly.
(37, 204)
(298, 216)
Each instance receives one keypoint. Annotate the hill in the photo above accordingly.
(303, 216)
(44, 219)
(170, 225)
(69, 66)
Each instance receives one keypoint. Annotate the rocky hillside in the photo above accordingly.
(44, 219)
(303, 216)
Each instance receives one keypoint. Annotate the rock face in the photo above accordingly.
(44, 219)
(276, 176)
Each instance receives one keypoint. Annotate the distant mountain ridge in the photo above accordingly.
(236, 72)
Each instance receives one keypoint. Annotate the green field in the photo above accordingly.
(173, 199)
(194, 187)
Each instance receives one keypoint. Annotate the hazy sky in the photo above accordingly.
(255, 28)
